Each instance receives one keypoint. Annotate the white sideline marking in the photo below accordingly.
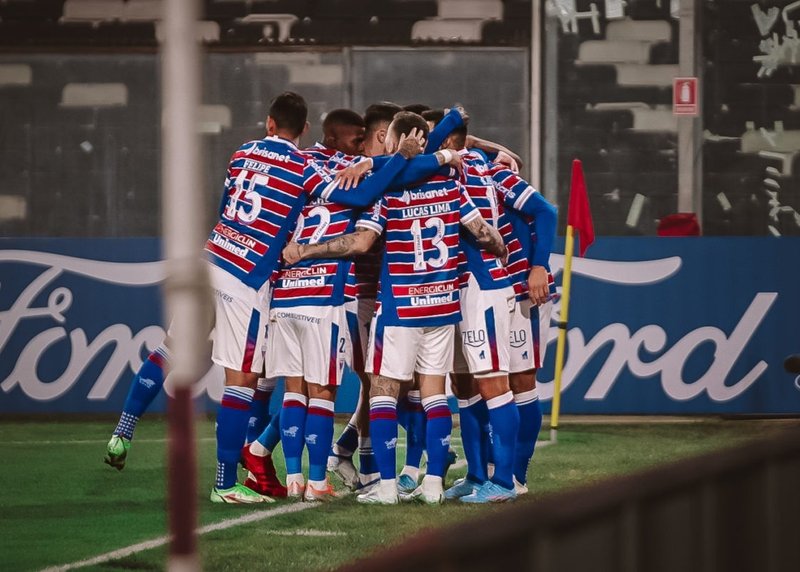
(305, 532)
(161, 541)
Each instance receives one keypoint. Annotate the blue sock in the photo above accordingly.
(473, 416)
(437, 433)
(347, 442)
(271, 435)
(231, 431)
(504, 418)
(318, 435)
(145, 386)
(259, 409)
(415, 429)
(383, 431)
(530, 423)
(293, 429)
(366, 457)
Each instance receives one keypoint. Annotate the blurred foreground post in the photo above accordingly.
(186, 288)
(579, 217)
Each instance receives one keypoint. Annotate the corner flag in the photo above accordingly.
(579, 216)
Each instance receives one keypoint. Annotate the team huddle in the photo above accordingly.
(400, 247)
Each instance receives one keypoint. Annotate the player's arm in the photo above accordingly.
(376, 184)
(497, 152)
(416, 169)
(453, 119)
(343, 246)
(486, 236)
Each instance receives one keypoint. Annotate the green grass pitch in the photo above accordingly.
(60, 504)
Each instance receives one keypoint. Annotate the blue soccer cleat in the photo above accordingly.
(461, 488)
(490, 492)
(406, 484)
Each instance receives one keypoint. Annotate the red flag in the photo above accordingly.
(579, 216)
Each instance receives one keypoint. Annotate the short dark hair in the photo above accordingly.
(418, 108)
(405, 121)
(339, 117)
(433, 115)
(380, 112)
(289, 112)
(436, 115)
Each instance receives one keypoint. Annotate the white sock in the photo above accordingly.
(319, 485)
(295, 478)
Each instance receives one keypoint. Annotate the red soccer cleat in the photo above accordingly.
(261, 475)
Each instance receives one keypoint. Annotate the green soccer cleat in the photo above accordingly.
(238, 494)
(117, 452)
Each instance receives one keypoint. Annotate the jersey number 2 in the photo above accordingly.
(419, 251)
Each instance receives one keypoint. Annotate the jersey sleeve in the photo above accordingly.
(368, 191)
(374, 218)
(519, 195)
(467, 209)
(316, 177)
(452, 120)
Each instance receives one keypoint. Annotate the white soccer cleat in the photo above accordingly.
(520, 488)
(429, 492)
(384, 492)
(295, 488)
(344, 469)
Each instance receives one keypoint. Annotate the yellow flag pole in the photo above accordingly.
(562, 334)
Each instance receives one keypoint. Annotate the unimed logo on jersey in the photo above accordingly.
(654, 334)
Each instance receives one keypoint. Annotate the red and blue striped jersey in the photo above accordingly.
(319, 152)
(419, 274)
(262, 198)
(320, 282)
(487, 269)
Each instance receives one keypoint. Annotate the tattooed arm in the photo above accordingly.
(344, 246)
(487, 236)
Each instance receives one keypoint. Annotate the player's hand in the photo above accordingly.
(350, 176)
(504, 258)
(506, 159)
(538, 285)
(462, 112)
(412, 144)
(293, 253)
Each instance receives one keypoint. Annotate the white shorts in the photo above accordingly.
(240, 322)
(310, 342)
(397, 352)
(359, 317)
(530, 330)
(484, 330)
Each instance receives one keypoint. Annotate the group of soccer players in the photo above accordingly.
(403, 248)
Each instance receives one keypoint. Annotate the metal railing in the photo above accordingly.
(732, 510)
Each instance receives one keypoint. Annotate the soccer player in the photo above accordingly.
(482, 353)
(417, 308)
(309, 342)
(262, 199)
(529, 237)
(343, 131)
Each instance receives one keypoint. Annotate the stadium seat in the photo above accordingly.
(471, 9)
(654, 120)
(15, 75)
(143, 10)
(94, 11)
(648, 30)
(284, 23)
(787, 141)
(447, 30)
(94, 95)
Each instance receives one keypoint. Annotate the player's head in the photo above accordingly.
(402, 124)
(287, 117)
(343, 130)
(418, 108)
(377, 118)
(457, 139)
